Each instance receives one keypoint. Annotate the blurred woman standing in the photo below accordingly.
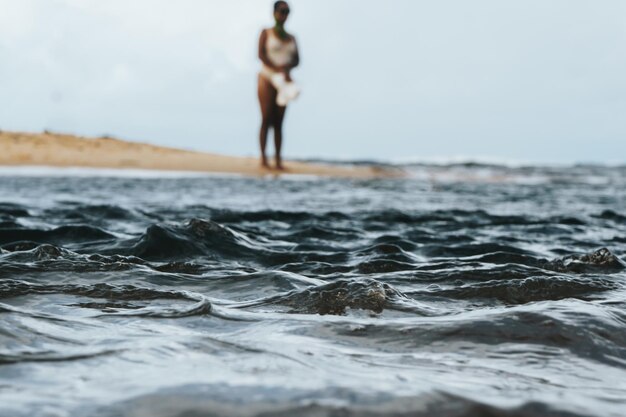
(278, 51)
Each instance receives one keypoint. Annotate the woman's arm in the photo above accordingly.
(296, 56)
(294, 63)
(263, 53)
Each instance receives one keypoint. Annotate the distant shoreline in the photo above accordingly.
(63, 150)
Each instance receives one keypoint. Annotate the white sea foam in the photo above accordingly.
(60, 172)
(47, 171)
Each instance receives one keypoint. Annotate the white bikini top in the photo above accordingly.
(279, 52)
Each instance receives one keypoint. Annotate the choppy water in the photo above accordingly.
(463, 291)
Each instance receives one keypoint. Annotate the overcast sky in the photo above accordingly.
(524, 80)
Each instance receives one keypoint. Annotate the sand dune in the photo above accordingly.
(62, 150)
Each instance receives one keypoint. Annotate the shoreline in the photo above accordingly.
(57, 150)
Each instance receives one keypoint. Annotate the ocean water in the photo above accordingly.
(462, 290)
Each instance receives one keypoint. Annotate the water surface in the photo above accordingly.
(465, 290)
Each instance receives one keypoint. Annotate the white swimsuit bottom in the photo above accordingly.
(287, 90)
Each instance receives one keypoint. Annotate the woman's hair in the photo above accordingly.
(278, 4)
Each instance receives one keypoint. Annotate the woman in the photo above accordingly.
(279, 53)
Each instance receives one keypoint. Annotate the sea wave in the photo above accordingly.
(473, 290)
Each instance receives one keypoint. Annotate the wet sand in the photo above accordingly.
(64, 150)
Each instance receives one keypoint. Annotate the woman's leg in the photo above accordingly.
(279, 115)
(267, 100)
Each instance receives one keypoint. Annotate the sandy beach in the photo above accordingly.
(64, 150)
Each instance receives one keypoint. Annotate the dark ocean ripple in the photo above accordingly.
(465, 290)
